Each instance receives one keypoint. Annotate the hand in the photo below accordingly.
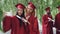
(26, 21)
(49, 19)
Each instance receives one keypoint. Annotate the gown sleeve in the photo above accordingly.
(6, 23)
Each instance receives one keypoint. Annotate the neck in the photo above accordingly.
(48, 14)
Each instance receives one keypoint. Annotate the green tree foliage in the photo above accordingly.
(1, 13)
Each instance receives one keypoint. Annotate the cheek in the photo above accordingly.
(21, 12)
(28, 9)
(18, 12)
(48, 11)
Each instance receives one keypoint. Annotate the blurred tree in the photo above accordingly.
(1, 13)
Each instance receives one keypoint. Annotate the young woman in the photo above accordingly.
(17, 23)
(30, 16)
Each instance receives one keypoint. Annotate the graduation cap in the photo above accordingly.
(19, 5)
(31, 5)
(48, 8)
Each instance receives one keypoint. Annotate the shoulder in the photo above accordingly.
(57, 15)
(7, 17)
(44, 15)
(14, 17)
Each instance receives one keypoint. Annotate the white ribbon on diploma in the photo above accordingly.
(24, 20)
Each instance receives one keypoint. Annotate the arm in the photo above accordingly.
(6, 23)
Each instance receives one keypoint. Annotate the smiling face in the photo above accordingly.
(19, 11)
(29, 9)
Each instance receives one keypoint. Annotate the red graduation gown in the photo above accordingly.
(6, 23)
(15, 26)
(33, 26)
(47, 25)
(57, 23)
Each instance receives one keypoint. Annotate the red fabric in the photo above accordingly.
(46, 25)
(15, 26)
(19, 5)
(57, 23)
(31, 5)
(6, 23)
(33, 26)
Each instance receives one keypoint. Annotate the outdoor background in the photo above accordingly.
(9, 5)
